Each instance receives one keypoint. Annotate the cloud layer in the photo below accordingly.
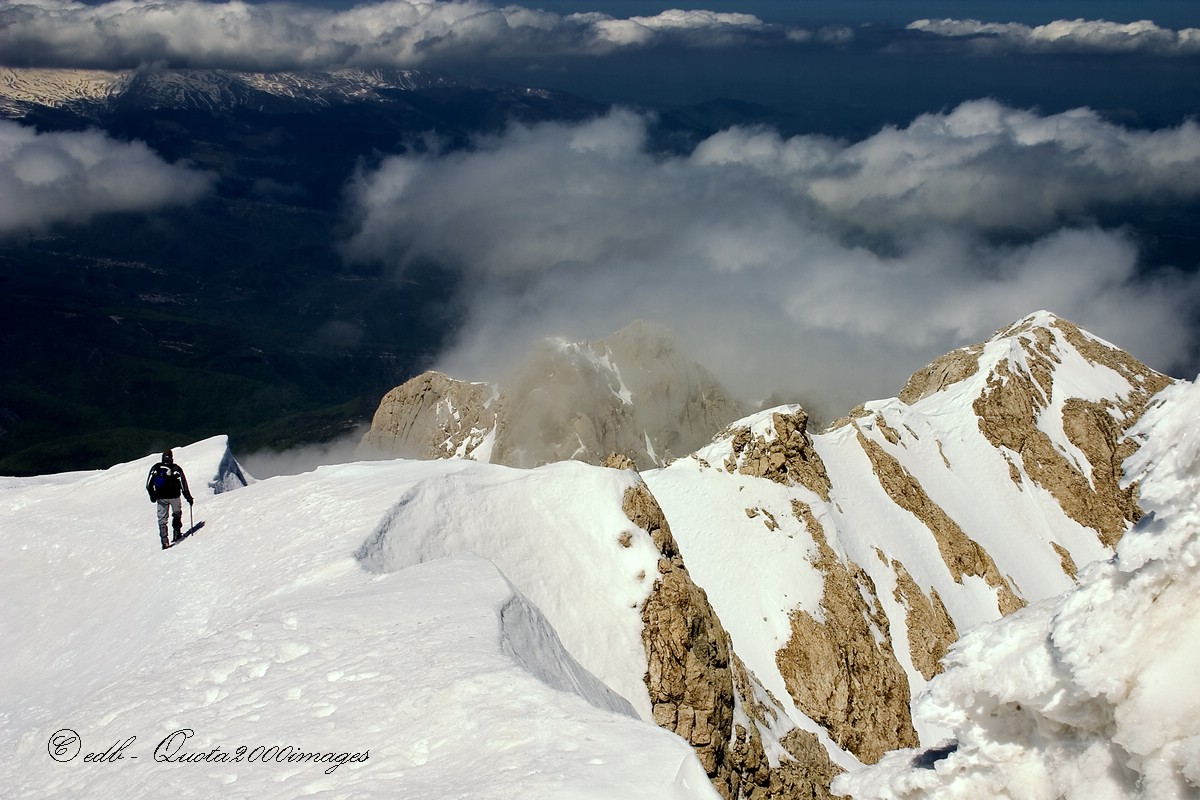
(797, 265)
(273, 36)
(1076, 35)
(70, 177)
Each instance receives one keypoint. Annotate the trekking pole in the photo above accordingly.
(191, 517)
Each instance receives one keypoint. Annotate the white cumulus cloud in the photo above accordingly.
(1074, 35)
(56, 177)
(982, 165)
(841, 267)
(271, 36)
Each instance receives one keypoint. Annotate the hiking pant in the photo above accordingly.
(167, 506)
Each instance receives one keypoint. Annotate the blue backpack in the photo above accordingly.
(163, 482)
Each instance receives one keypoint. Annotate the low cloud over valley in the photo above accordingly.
(807, 265)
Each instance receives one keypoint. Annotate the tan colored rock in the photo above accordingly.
(788, 457)
(1008, 411)
(946, 371)
(962, 554)
(618, 461)
(931, 631)
(432, 416)
(1068, 563)
(805, 772)
(688, 675)
(842, 672)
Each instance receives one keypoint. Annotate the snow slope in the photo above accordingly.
(350, 615)
(876, 542)
(1091, 694)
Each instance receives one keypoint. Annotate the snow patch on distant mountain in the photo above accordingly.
(94, 91)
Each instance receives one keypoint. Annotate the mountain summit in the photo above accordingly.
(635, 393)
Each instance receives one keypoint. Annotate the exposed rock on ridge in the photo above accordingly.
(840, 668)
(696, 682)
(988, 484)
(1021, 389)
(434, 416)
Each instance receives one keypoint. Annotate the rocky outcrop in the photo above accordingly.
(784, 454)
(696, 682)
(1021, 389)
(634, 393)
(689, 673)
(955, 366)
(931, 631)
(433, 416)
(962, 554)
(841, 669)
(804, 771)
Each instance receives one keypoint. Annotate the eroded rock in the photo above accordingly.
(1009, 408)
(842, 671)
(787, 457)
(688, 674)
(962, 554)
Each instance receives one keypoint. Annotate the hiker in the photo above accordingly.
(165, 483)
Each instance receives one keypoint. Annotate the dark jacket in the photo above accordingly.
(166, 481)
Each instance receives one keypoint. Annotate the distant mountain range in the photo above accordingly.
(97, 93)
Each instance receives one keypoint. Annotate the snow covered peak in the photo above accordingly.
(1092, 693)
(1039, 347)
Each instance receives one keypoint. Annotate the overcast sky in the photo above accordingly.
(830, 265)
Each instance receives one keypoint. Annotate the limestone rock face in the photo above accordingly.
(783, 452)
(696, 682)
(1021, 390)
(434, 416)
(840, 667)
(945, 371)
(634, 393)
(688, 672)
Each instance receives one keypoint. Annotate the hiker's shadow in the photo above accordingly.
(189, 532)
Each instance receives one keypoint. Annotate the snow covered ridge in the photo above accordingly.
(1091, 694)
(208, 89)
(992, 479)
(345, 611)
